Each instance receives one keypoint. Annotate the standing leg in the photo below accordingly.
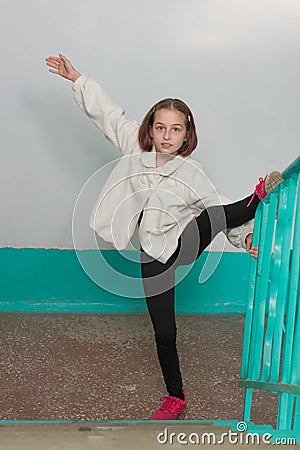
(159, 280)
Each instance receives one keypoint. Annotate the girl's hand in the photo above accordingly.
(253, 251)
(63, 67)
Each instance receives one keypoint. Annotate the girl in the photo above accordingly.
(158, 187)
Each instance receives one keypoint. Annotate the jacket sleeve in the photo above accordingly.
(106, 114)
(205, 195)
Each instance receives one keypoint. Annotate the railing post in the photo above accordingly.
(271, 350)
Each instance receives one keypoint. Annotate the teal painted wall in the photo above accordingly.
(52, 280)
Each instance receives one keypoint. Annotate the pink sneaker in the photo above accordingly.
(266, 185)
(171, 408)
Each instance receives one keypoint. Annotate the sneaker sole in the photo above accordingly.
(273, 179)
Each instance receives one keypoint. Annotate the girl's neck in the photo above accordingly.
(163, 158)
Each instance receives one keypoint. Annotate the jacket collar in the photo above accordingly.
(149, 160)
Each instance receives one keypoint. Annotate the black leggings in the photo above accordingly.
(159, 279)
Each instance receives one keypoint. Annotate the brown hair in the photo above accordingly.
(145, 140)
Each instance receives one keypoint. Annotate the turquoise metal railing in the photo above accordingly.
(271, 350)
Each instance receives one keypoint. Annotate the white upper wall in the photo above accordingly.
(235, 62)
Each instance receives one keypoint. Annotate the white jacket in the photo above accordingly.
(170, 195)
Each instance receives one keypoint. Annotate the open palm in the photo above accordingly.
(62, 66)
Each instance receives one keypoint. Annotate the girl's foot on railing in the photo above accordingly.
(267, 185)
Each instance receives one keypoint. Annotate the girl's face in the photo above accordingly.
(168, 131)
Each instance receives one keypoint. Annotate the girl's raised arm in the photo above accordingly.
(98, 106)
(63, 67)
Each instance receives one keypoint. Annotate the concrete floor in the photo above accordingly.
(104, 367)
